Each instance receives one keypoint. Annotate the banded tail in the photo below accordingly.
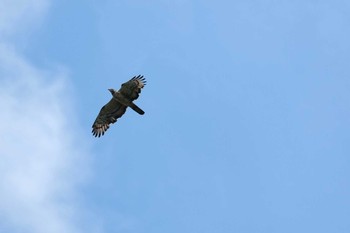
(136, 108)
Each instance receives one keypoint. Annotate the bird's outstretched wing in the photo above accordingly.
(132, 88)
(108, 115)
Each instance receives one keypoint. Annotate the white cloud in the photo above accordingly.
(17, 15)
(42, 161)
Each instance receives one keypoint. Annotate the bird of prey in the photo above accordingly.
(117, 106)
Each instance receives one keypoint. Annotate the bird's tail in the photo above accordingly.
(136, 109)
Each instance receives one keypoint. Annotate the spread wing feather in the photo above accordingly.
(108, 115)
(132, 88)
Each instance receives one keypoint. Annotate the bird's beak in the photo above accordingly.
(111, 90)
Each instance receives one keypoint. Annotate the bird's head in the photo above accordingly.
(112, 91)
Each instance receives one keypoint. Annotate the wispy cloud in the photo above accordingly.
(42, 162)
(17, 15)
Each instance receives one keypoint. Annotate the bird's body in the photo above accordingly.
(117, 106)
(125, 101)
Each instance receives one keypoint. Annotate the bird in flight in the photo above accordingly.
(117, 106)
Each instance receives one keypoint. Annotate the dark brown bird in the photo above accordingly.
(117, 106)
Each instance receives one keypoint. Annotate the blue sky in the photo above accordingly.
(246, 126)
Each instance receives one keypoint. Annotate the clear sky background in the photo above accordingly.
(247, 122)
